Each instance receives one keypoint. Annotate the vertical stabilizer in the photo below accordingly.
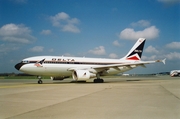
(136, 51)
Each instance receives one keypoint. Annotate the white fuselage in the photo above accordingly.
(60, 66)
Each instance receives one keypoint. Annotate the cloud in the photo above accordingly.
(65, 22)
(5, 48)
(116, 43)
(153, 57)
(46, 32)
(113, 55)
(37, 49)
(70, 28)
(173, 45)
(130, 34)
(173, 56)
(141, 23)
(151, 49)
(98, 51)
(68, 55)
(51, 50)
(169, 2)
(16, 34)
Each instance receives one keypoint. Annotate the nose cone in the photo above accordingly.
(18, 66)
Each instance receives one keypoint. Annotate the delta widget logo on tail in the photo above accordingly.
(134, 57)
(136, 52)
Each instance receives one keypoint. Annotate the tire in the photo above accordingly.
(40, 82)
(98, 81)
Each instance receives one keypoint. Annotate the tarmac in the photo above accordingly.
(155, 97)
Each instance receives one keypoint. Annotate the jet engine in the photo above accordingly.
(82, 75)
(59, 78)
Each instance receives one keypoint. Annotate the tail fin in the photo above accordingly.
(136, 51)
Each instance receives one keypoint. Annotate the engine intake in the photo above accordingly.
(82, 75)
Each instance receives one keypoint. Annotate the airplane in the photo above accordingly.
(175, 73)
(82, 68)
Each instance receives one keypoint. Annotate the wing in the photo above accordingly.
(116, 66)
(129, 65)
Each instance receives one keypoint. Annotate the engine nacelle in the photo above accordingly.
(58, 78)
(82, 75)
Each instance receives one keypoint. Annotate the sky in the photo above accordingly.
(90, 28)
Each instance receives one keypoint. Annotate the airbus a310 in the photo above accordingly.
(81, 68)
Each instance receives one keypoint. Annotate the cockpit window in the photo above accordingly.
(25, 61)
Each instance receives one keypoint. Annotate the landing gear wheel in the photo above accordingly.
(98, 81)
(40, 81)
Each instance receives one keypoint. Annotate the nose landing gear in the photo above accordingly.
(40, 81)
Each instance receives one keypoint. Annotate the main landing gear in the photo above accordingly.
(98, 80)
(40, 81)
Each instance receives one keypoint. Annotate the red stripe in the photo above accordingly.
(133, 58)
